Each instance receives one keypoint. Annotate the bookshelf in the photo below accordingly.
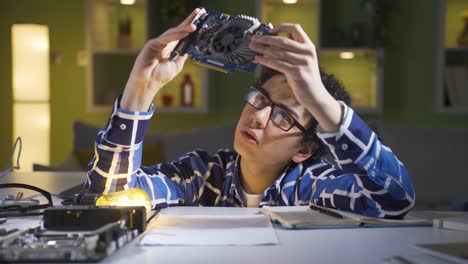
(346, 44)
(115, 35)
(452, 93)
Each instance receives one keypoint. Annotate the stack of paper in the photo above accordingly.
(192, 229)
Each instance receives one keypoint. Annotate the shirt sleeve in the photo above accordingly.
(369, 179)
(117, 150)
(116, 165)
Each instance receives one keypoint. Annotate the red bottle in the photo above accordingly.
(187, 90)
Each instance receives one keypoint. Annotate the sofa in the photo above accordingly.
(158, 147)
(436, 158)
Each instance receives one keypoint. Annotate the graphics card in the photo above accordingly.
(222, 41)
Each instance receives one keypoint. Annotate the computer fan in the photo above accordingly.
(222, 41)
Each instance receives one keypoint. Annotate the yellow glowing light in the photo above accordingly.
(31, 108)
(30, 48)
(289, 1)
(130, 197)
(31, 121)
(347, 55)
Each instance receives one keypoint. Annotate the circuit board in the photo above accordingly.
(222, 41)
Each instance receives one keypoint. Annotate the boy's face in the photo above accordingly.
(257, 138)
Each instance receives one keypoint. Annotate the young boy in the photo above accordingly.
(294, 113)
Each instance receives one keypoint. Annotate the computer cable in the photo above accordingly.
(24, 206)
(10, 165)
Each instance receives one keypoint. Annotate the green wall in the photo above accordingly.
(5, 88)
(409, 84)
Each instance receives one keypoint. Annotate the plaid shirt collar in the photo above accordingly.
(270, 195)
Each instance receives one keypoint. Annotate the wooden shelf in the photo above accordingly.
(452, 93)
(110, 62)
(456, 49)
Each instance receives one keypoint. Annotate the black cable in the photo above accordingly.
(10, 165)
(156, 212)
(28, 210)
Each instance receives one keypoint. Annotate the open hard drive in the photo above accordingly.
(222, 41)
(74, 234)
(46, 246)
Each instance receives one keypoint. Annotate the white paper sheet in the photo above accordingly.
(211, 230)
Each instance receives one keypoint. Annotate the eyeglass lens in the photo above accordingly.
(279, 116)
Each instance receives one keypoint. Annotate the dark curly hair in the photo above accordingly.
(333, 86)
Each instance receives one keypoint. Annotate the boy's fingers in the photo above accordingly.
(280, 54)
(294, 30)
(174, 34)
(280, 42)
(188, 20)
(180, 60)
(274, 64)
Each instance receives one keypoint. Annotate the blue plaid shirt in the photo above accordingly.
(368, 178)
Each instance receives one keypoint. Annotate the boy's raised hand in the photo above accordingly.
(153, 69)
(295, 56)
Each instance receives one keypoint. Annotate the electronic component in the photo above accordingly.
(17, 201)
(38, 245)
(129, 197)
(92, 217)
(222, 41)
(74, 233)
(15, 205)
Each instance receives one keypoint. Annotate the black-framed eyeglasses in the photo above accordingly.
(278, 115)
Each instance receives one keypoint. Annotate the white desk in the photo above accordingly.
(362, 245)
(359, 245)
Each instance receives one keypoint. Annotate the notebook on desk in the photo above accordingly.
(452, 252)
(457, 222)
(302, 217)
